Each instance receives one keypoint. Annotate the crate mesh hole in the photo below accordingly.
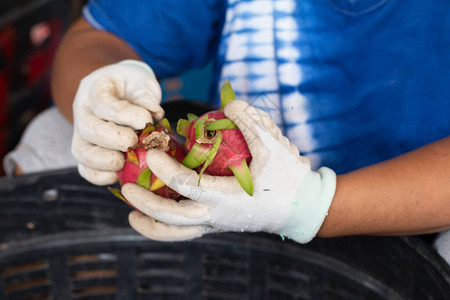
(161, 273)
(287, 280)
(93, 274)
(26, 281)
(225, 274)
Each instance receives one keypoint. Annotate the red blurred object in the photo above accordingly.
(29, 35)
(6, 54)
(38, 63)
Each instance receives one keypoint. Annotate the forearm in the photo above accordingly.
(406, 195)
(83, 50)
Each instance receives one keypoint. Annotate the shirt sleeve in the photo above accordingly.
(172, 36)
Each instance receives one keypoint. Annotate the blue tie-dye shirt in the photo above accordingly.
(350, 82)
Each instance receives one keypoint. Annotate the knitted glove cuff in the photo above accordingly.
(310, 206)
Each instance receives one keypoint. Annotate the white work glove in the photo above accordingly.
(111, 103)
(289, 198)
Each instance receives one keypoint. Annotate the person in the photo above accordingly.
(345, 111)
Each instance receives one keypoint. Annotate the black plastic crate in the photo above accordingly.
(64, 238)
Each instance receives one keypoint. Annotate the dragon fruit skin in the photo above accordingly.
(136, 165)
(232, 150)
(216, 145)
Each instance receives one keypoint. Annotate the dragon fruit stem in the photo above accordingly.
(183, 127)
(211, 155)
(226, 94)
(196, 156)
(192, 117)
(156, 184)
(144, 178)
(221, 124)
(243, 176)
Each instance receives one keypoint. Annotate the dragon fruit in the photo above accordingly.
(136, 170)
(216, 145)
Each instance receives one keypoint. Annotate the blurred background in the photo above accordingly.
(30, 31)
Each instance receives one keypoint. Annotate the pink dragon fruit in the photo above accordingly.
(136, 169)
(216, 146)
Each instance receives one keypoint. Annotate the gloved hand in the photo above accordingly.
(289, 198)
(111, 103)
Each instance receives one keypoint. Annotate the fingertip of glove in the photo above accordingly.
(135, 214)
(163, 165)
(97, 177)
(140, 222)
(155, 230)
(125, 139)
(157, 160)
(234, 107)
(158, 114)
(129, 189)
(154, 157)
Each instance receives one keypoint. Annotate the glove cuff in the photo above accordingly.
(139, 64)
(310, 206)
